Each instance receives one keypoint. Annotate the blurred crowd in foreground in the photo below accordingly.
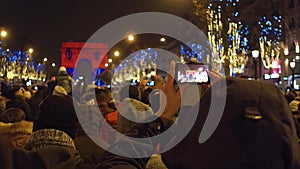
(40, 128)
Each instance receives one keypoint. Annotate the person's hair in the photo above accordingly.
(101, 96)
(12, 115)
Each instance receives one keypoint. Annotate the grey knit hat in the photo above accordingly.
(47, 138)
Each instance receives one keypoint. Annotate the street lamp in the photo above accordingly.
(292, 66)
(117, 53)
(130, 37)
(30, 50)
(3, 33)
(255, 54)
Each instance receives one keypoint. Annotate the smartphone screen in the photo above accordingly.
(192, 73)
(150, 83)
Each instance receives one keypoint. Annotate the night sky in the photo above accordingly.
(45, 24)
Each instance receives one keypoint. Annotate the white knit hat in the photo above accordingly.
(59, 91)
(62, 69)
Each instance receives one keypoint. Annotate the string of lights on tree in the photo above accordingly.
(269, 41)
(20, 65)
(227, 36)
(135, 67)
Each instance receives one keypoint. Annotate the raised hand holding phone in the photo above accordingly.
(171, 97)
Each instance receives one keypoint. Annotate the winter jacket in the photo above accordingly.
(90, 152)
(65, 81)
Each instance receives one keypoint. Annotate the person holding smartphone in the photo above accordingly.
(256, 129)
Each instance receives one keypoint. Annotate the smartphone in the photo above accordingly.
(150, 83)
(191, 73)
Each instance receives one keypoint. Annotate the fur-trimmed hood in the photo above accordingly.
(24, 127)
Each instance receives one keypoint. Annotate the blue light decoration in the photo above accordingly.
(135, 67)
(270, 37)
(194, 51)
(243, 30)
(20, 65)
(271, 28)
(98, 81)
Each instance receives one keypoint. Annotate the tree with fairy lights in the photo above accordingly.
(269, 42)
(227, 35)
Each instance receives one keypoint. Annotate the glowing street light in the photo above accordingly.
(3, 33)
(117, 53)
(130, 37)
(106, 65)
(53, 64)
(109, 60)
(45, 59)
(30, 50)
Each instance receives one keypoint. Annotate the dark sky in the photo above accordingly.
(44, 24)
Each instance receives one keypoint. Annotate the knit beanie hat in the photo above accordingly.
(59, 91)
(47, 138)
(62, 69)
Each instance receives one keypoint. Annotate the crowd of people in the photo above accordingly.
(47, 127)
(38, 121)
